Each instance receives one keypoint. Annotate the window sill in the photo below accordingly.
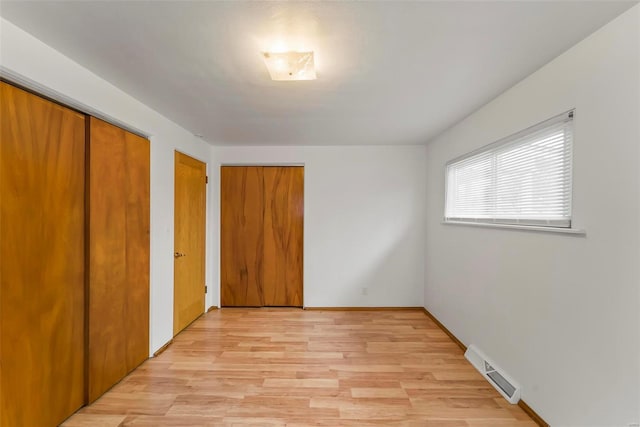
(534, 228)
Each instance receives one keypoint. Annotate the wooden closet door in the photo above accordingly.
(261, 235)
(118, 255)
(41, 260)
(138, 185)
(241, 235)
(283, 224)
(190, 205)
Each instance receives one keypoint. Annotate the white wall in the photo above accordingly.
(363, 224)
(559, 313)
(46, 70)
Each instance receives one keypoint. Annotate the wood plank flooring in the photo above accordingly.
(276, 367)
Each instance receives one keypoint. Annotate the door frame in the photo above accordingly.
(219, 222)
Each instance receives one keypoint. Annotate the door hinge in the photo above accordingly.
(206, 179)
(205, 290)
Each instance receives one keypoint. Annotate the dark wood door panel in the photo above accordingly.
(283, 224)
(262, 210)
(241, 235)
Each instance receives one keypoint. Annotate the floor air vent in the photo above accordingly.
(496, 376)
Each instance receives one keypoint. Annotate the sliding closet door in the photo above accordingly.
(261, 236)
(283, 216)
(138, 186)
(107, 258)
(118, 254)
(241, 230)
(41, 260)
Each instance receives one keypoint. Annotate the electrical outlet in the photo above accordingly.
(365, 291)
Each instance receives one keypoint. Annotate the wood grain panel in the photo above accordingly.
(283, 226)
(107, 257)
(137, 249)
(118, 255)
(41, 260)
(241, 236)
(189, 240)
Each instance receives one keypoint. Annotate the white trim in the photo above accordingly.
(559, 230)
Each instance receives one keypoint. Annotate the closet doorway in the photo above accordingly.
(261, 236)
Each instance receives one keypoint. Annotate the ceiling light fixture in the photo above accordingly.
(290, 65)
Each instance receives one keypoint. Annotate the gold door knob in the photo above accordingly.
(178, 254)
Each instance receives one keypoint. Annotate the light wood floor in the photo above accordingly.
(274, 367)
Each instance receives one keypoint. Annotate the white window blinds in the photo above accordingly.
(523, 179)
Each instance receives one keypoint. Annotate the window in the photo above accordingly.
(524, 179)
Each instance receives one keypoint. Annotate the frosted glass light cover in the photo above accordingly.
(290, 65)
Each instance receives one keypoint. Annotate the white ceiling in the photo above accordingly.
(388, 72)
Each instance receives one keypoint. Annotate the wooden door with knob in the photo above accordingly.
(189, 240)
